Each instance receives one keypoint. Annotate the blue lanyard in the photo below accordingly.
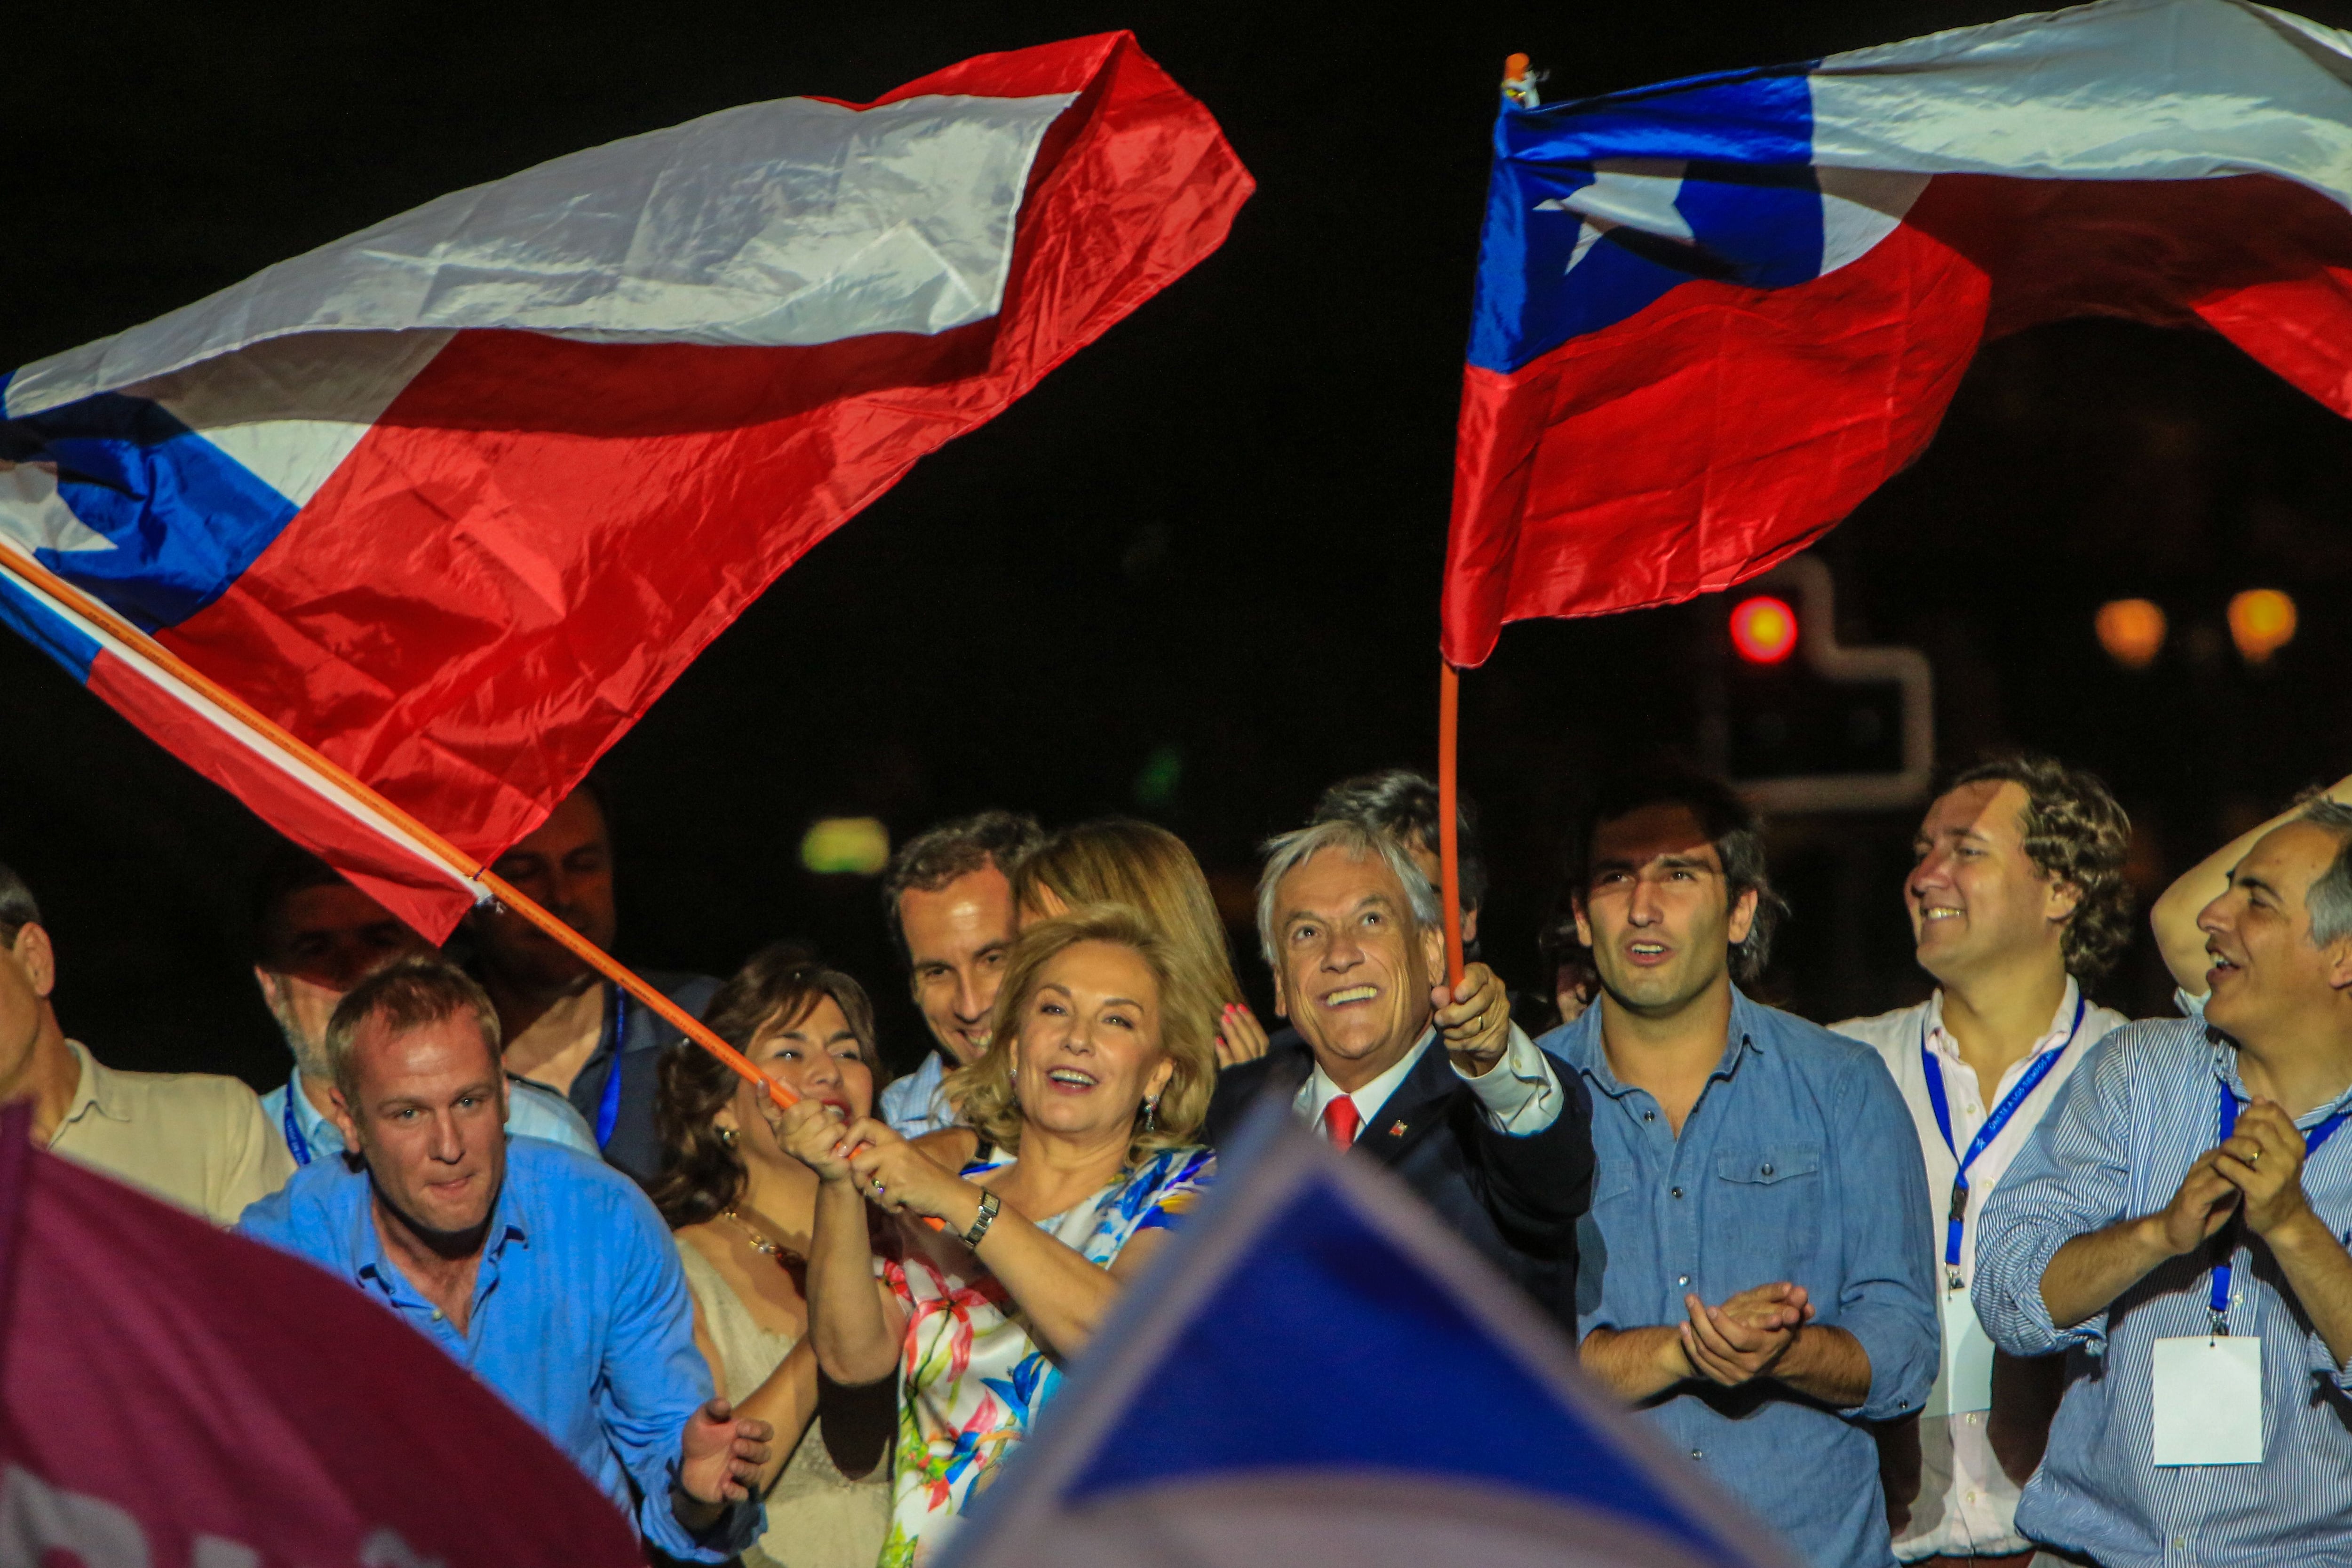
(295, 1144)
(2219, 1300)
(608, 1108)
(2000, 1119)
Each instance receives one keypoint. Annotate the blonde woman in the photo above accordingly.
(1086, 1101)
(1118, 860)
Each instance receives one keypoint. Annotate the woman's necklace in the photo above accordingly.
(784, 1256)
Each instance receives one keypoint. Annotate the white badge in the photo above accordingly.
(1964, 1381)
(2209, 1400)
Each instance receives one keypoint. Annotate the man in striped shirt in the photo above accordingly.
(2178, 1229)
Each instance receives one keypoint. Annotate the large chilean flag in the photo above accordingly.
(1711, 316)
(451, 501)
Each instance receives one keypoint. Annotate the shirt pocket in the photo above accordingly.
(1766, 1224)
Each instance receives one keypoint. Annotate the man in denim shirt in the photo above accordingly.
(1758, 1276)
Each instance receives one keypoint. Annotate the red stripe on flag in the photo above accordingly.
(1725, 428)
(416, 889)
(539, 535)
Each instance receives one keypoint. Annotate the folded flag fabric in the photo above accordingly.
(451, 501)
(1318, 1373)
(170, 1394)
(1714, 315)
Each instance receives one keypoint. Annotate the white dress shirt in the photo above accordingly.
(1520, 1094)
(1967, 1505)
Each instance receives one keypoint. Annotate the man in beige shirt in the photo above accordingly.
(194, 1139)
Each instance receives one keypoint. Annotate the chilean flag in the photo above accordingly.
(1711, 316)
(451, 501)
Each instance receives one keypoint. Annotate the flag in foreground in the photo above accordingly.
(1320, 1374)
(451, 501)
(172, 1395)
(1713, 316)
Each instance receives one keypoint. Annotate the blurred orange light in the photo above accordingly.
(2131, 630)
(2261, 622)
(1764, 629)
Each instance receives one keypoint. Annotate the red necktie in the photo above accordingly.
(1340, 1120)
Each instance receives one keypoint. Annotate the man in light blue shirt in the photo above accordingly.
(545, 1273)
(1756, 1275)
(315, 937)
(2178, 1228)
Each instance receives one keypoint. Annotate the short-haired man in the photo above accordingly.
(1758, 1276)
(1435, 1083)
(315, 937)
(546, 1274)
(191, 1138)
(2017, 903)
(2176, 1229)
(567, 1028)
(947, 900)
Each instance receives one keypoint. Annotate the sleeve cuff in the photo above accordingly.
(1520, 1094)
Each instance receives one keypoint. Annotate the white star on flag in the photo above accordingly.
(1626, 192)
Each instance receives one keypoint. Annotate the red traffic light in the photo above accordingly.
(1764, 629)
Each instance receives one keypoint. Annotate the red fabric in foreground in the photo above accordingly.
(539, 535)
(166, 1383)
(1725, 428)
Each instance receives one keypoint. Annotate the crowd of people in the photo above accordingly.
(1997, 1277)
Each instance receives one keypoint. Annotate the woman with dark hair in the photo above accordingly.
(1089, 1098)
(742, 1211)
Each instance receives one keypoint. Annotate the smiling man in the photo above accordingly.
(2175, 1230)
(545, 1273)
(1757, 1277)
(2017, 903)
(947, 898)
(1438, 1085)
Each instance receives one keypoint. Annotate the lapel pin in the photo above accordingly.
(1396, 1128)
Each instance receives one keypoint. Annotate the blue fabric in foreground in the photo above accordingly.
(1389, 1372)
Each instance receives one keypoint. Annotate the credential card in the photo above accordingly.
(2209, 1400)
(1964, 1377)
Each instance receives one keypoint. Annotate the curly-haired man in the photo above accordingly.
(2018, 903)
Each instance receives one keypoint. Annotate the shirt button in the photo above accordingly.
(1682, 1278)
(1649, 1115)
(1767, 1168)
(1675, 1192)
(436, 1314)
(1696, 1454)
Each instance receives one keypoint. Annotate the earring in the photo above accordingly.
(1151, 1114)
(727, 1136)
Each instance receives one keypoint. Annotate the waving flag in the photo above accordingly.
(1320, 1375)
(449, 503)
(1711, 316)
(170, 1394)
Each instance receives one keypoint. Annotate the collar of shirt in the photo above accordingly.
(2225, 1069)
(323, 1136)
(1583, 1046)
(1319, 1091)
(373, 1266)
(94, 1091)
(1959, 1075)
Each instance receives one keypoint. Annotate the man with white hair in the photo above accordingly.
(1434, 1082)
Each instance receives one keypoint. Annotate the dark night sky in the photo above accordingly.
(1217, 531)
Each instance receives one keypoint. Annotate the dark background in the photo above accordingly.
(1209, 546)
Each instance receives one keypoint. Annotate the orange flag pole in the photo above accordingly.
(29, 571)
(1449, 817)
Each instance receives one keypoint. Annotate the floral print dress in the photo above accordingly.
(971, 1378)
